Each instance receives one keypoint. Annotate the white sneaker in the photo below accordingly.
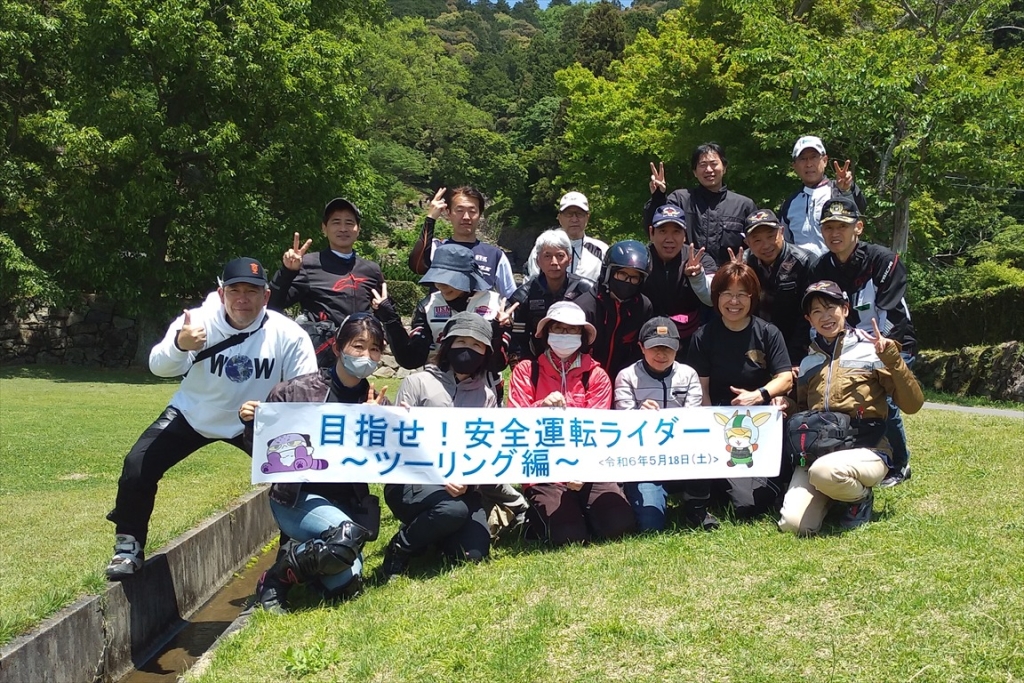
(128, 557)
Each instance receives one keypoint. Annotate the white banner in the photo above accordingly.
(337, 442)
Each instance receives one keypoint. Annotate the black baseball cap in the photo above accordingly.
(339, 203)
(660, 332)
(825, 288)
(760, 218)
(245, 269)
(841, 209)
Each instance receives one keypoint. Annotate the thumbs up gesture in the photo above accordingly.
(191, 337)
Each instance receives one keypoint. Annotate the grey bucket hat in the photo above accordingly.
(455, 265)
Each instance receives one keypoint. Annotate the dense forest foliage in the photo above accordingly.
(147, 141)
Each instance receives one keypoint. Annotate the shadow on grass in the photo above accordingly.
(74, 374)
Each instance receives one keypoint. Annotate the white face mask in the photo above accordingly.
(564, 345)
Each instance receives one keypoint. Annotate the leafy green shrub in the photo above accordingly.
(975, 319)
(405, 295)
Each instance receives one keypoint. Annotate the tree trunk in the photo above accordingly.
(901, 225)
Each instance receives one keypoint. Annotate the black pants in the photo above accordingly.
(431, 516)
(163, 445)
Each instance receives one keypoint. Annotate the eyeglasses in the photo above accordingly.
(626, 277)
(735, 296)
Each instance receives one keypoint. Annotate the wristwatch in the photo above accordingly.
(765, 396)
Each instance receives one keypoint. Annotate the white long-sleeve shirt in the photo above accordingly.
(212, 392)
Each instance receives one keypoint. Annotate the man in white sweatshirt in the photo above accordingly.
(230, 350)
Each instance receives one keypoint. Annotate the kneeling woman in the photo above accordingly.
(563, 376)
(847, 371)
(450, 517)
(327, 524)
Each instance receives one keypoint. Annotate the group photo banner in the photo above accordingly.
(336, 442)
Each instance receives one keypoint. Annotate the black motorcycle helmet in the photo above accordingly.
(626, 254)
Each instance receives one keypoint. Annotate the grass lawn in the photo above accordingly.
(64, 433)
(931, 591)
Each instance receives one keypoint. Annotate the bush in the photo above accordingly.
(406, 295)
(976, 319)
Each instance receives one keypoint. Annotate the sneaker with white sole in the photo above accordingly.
(895, 477)
(859, 513)
(128, 557)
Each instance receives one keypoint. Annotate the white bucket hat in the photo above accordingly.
(567, 313)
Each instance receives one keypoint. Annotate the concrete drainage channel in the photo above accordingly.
(160, 621)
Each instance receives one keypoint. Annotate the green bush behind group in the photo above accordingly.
(145, 142)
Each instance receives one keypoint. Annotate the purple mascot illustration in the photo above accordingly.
(291, 453)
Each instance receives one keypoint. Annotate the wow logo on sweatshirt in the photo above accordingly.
(241, 368)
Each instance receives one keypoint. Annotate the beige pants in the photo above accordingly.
(843, 475)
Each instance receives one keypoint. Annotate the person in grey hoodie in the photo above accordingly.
(451, 517)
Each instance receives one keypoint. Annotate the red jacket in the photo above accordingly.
(598, 394)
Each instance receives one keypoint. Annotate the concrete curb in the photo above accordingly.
(103, 637)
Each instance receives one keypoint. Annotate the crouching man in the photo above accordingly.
(230, 350)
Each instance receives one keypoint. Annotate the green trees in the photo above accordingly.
(914, 93)
(188, 133)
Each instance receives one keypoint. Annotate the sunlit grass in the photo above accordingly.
(930, 591)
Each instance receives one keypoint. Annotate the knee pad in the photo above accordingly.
(332, 553)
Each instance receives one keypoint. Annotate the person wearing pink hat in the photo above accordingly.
(565, 376)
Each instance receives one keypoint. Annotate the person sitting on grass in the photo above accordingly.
(847, 371)
(657, 382)
(460, 287)
(565, 376)
(242, 350)
(450, 516)
(741, 361)
(327, 524)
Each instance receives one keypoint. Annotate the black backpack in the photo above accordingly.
(814, 433)
(322, 334)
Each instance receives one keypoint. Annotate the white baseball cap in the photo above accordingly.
(577, 199)
(808, 142)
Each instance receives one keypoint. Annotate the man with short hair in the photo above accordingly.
(331, 284)
(713, 213)
(465, 208)
(573, 216)
(552, 283)
(230, 350)
(679, 285)
(782, 269)
(801, 210)
(875, 280)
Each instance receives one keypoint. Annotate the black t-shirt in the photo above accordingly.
(747, 359)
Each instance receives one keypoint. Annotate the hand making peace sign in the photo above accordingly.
(657, 177)
(379, 297)
(438, 206)
(880, 341)
(292, 259)
(693, 265)
(504, 316)
(844, 176)
(376, 398)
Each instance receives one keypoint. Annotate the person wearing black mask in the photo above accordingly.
(450, 517)
(617, 308)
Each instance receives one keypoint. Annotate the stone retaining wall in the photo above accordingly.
(995, 372)
(93, 335)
